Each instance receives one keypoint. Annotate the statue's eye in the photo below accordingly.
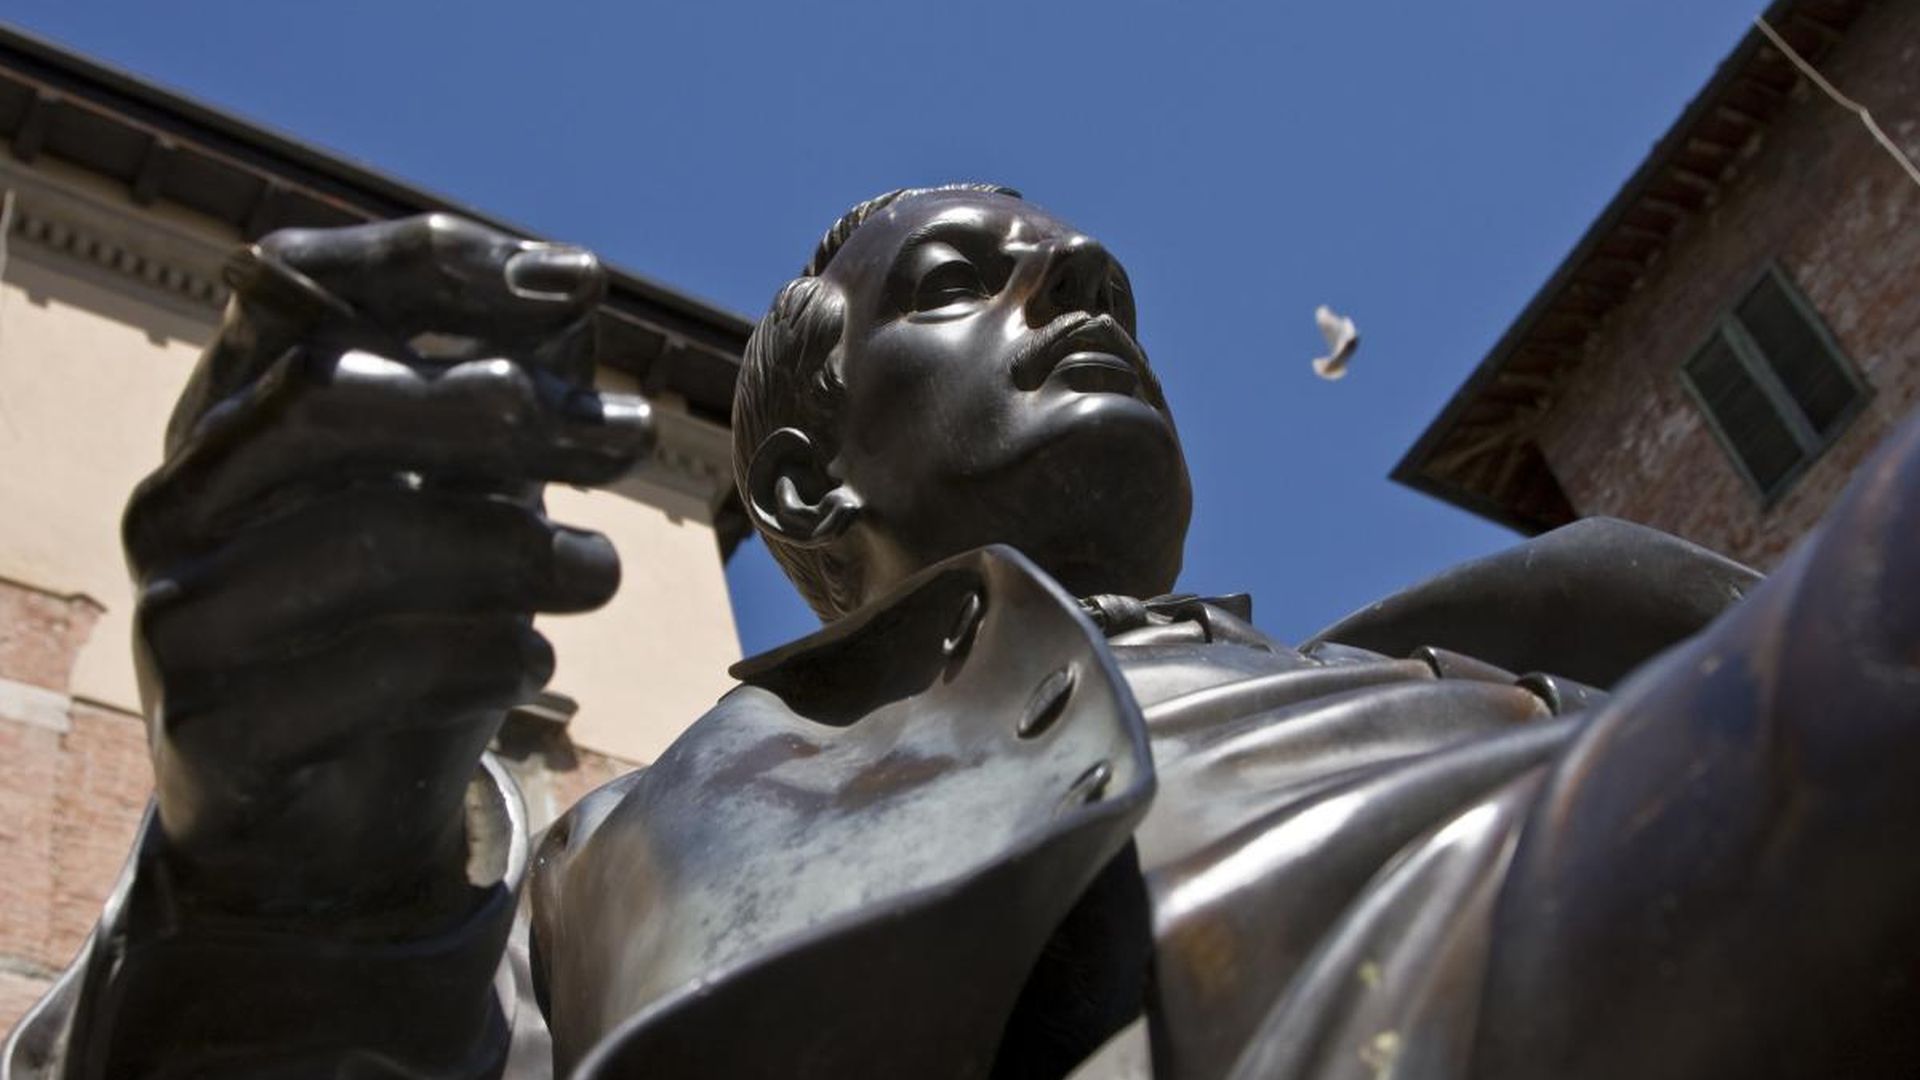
(950, 282)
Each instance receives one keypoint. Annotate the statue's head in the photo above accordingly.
(956, 367)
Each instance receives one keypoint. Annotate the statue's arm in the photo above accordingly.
(338, 566)
(1723, 863)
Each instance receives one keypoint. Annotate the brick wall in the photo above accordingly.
(1821, 198)
(74, 782)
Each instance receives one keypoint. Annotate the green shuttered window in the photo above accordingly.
(1773, 384)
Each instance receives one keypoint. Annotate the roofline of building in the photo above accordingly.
(178, 112)
(1415, 468)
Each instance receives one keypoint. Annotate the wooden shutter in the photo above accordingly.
(1798, 353)
(1743, 414)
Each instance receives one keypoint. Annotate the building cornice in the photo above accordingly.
(67, 220)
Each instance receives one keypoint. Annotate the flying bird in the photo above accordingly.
(1342, 338)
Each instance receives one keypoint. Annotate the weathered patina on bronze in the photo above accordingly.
(1603, 805)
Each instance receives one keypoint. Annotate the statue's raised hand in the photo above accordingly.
(340, 559)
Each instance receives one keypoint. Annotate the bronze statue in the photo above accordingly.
(1604, 805)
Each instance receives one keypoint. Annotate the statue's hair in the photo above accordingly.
(787, 380)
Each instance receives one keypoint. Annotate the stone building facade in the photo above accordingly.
(120, 202)
(1769, 240)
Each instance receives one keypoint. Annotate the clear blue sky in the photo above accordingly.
(1421, 166)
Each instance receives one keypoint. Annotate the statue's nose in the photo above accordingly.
(1076, 276)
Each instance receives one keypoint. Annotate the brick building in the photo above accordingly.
(1738, 329)
(118, 204)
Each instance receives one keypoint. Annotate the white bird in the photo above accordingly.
(1342, 338)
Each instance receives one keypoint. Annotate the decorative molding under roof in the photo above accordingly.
(56, 235)
(62, 217)
(690, 471)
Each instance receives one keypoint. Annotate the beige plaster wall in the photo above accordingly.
(649, 663)
(88, 373)
(87, 376)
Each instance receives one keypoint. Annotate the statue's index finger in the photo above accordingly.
(439, 273)
(263, 279)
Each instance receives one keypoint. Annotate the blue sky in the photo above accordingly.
(1420, 166)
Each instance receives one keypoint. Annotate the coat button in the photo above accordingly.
(965, 622)
(1089, 786)
(1049, 700)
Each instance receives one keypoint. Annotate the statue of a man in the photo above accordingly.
(1585, 808)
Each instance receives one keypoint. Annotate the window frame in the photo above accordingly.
(1753, 361)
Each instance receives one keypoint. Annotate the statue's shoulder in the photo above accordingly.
(937, 776)
(1591, 601)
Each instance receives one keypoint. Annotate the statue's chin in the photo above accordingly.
(1097, 495)
(1103, 509)
(1140, 558)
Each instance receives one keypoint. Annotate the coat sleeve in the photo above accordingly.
(158, 993)
(1718, 876)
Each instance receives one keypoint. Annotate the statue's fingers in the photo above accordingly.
(382, 672)
(381, 708)
(473, 289)
(435, 286)
(481, 418)
(367, 554)
(315, 427)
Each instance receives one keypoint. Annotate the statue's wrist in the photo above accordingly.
(331, 885)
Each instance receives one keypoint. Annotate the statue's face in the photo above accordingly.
(995, 393)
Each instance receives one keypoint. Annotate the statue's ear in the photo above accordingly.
(792, 496)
